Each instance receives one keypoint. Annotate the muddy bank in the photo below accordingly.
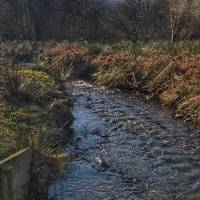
(148, 154)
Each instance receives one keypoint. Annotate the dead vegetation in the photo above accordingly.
(67, 58)
(32, 106)
(167, 72)
(171, 75)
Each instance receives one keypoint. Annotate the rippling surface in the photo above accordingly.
(149, 155)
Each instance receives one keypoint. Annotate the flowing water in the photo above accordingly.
(148, 154)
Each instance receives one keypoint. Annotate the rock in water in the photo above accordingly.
(100, 162)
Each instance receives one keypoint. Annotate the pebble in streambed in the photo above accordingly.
(100, 163)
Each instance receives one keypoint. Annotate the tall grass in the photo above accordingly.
(65, 59)
(26, 108)
(35, 113)
(166, 72)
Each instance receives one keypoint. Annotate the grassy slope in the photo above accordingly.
(170, 74)
(35, 112)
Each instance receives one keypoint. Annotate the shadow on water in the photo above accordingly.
(148, 155)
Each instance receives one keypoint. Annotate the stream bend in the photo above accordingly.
(148, 154)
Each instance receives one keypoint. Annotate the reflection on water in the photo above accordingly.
(149, 155)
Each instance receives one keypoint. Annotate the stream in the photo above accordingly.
(148, 155)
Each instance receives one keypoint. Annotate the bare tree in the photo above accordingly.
(100, 20)
(180, 17)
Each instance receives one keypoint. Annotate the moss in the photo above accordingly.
(37, 76)
(36, 86)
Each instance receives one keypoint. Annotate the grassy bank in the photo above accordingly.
(161, 71)
(35, 112)
(157, 70)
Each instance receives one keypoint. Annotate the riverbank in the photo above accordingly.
(35, 113)
(167, 73)
(171, 77)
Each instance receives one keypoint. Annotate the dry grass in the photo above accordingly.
(173, 79)
(18, 51)
(15, 52)
(27, 115)
(34, 112)
(168, 73)
(69, 58)
(114, 76)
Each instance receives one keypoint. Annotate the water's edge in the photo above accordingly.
(148, 154)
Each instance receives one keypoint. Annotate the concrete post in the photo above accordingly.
(15, 175)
